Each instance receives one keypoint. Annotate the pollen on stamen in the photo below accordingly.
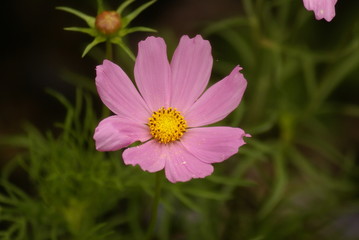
(167, 125)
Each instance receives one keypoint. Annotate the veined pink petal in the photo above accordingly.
(213, 144)
(119, 94)
(151, 156)
(218, 101)
(191, 68)
(181, 165)
(114, 133)
(152, 73)
(322, 8)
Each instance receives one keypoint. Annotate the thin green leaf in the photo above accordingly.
(8, 201)
(127, 19)
(60, 98)
(88, 19)
(311, 172)
(126, 31)
(334, 77)
(224, 24)
(240, 44)
(308, 66)
(127, 50)
(185, 200)
(70, 111)
(278, 185)
(14, 140)
(89, 31)
(202, 193)
(13, 191)
(264, 125)
(96, 41)
(123, 6)
(78, 80)
(230, 180)
(260, 146)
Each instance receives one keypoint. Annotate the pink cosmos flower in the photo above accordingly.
(322, 8)
(169, 110)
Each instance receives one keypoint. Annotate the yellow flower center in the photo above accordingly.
(167, 125)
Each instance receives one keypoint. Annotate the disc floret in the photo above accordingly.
(167, 125)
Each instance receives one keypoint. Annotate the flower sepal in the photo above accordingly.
(109, 26)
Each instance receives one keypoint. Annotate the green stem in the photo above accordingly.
(99, 6)
(155, 203)
(105, 111)
(109, 50)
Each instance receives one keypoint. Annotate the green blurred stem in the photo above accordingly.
(279, 183)
(253, 19)
(155, 203)
(109, 50)
(105, 111)
(99, 6)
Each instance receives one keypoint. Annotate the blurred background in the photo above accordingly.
(301, 106)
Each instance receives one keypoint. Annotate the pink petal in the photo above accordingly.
(152, 73)
(182, 166)
(191, 68)
(114, 133)
(218, 101)
(179, 164)
(322, 8)
(151, 156)
(119, 94)
(213, 144)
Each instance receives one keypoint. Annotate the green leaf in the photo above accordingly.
(96, 41)
(308, 66)
(185, 200)
(264, 125)
(123, 6)
(230, 180)
(127, 50)
(90, 31)
(127, 19)
(216, 27)
(88, 19)
(70, 110)
(126, 31)
(334, 77)
(13, 191)
(14, 140)
(279, 185)
(207, 194)
(322, 177)
(78, 80)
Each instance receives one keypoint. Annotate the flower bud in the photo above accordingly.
(108, 22)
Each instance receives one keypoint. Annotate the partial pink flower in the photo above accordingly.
(169, 110)
(322, 8)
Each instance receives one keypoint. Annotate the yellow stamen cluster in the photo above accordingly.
(167, 125)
